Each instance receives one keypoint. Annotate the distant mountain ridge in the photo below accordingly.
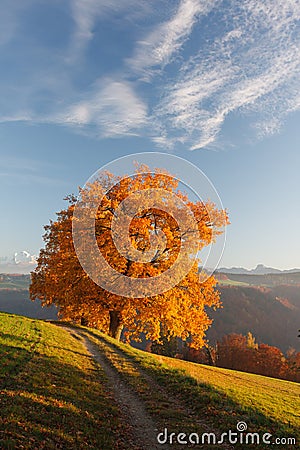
(260, 269)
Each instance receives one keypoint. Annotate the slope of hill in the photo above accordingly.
(55, 396)
(50, 393)
(271, 314)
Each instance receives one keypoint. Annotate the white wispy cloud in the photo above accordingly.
(9, 18)
(228, 58)
(86, 13)
(17, 117)
(112, 107)
(252, 68)
(157, 48)
(15, 164)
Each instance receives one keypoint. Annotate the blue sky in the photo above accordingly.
(216, 82)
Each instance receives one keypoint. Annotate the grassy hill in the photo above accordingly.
(55, 395)
(50, 393)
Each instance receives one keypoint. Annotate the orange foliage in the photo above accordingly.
(238, 352)
(59, 278)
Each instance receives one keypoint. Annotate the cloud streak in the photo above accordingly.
(203, 62)
(86, 13)
(157, 48)
(112, 108)
(253, 68)
(249, 67)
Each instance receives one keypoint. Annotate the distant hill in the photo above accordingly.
(14, 281)
(271, 314)
(18, 302)
(270, 279)
(14, 298)
(260, 269)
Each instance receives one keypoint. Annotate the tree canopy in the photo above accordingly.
(159, 237)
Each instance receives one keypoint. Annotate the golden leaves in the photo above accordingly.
(155, 214)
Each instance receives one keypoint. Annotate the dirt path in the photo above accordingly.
(142, 429)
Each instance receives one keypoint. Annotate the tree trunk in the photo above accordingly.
(115, 325)
(84, 322)
(211, 355)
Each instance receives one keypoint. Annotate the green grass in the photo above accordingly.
(232, 283)
(52, 396)
(222, 397)
(277, 400)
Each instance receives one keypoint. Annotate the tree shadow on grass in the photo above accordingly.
(20, 340)
(48, 404)
(209, 403)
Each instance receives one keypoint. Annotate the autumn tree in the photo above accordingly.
(231, 351)
(239, 352)
(251, 341)
(270, 361)
(292, 366)
(174, 304)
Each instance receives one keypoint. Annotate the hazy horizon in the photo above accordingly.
(10, 267)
